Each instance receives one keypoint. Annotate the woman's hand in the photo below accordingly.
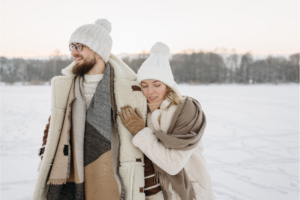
(131, 119)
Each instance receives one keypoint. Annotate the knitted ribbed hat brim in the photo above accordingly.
(157, 73)
(92, 44)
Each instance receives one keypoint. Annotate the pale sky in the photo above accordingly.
(33, 28)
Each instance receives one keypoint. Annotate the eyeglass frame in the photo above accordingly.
(75, 45)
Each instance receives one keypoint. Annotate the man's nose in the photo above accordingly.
(74, 52)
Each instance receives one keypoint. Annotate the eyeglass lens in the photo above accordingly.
(78, 47)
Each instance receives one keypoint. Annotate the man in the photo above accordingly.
(87, 152)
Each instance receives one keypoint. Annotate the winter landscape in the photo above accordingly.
(251, 140)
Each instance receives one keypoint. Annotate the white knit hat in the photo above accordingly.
(95, 36)
(157, 66)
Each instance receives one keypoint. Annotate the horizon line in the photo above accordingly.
(124, 54)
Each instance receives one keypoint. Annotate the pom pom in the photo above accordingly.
(104, 23)
(160, 47)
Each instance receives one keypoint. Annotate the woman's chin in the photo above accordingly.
(154, 100)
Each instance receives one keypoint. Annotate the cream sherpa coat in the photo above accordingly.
(170, 160)
(131, 158)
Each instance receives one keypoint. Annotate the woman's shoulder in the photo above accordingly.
(187, 110)
(190, 103)
(187, 115)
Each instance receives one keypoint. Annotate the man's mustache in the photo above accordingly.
(78, 56)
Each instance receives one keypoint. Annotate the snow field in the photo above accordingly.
(251, 143)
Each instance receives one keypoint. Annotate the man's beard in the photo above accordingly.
(84, 67)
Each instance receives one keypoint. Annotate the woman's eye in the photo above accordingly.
(156, 85)
(144, 86)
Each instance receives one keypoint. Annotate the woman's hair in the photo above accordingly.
(173, 97)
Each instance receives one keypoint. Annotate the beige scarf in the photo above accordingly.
(184, 133)
(60, 170)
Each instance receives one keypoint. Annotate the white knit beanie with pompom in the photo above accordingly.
(157, 66)
(96, 37)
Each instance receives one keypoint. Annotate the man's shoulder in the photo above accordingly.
(121, 69)
(62, 79)
(61, 84)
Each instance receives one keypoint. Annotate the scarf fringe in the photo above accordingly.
(57, 181)
(161, 178)
(165, 183)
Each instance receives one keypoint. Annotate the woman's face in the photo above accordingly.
(154, 90)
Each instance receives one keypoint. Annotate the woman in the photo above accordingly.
(171, 141)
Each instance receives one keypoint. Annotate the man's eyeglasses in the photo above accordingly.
(78, 47)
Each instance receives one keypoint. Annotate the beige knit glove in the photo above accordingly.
(131, 119)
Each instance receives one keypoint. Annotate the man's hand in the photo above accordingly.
(131, 119)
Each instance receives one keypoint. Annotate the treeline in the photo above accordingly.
(193, 67)
(32, 71)
(209, 67)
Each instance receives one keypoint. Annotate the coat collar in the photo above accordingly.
(68, 70)
(165, 104)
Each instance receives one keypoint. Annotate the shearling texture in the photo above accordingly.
(131, 158)
(128, 152)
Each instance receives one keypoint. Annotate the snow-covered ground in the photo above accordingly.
(251, 141)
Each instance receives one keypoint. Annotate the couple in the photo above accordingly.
(114, 134)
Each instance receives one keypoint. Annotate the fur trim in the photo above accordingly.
(149, 123)
(155, 118)
(165, 104)
(165, 119)
(68, 70)
(122, 71)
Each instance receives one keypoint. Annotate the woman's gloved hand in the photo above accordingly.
(131, 119)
